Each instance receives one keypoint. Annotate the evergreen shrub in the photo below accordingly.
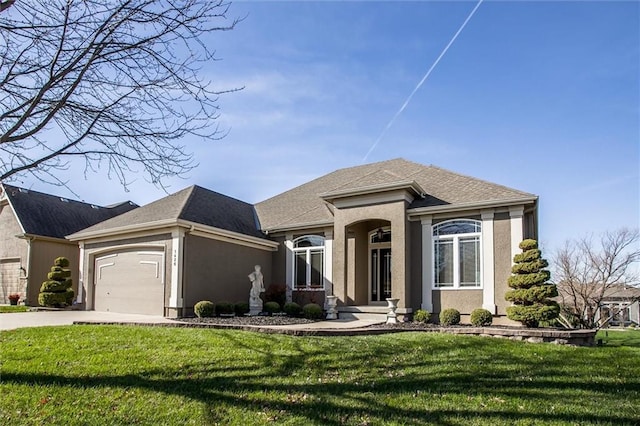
(312, 311)
(292, 309)
(56, 291)
(204, 309)
(224, 308)
(422, 316)
(481, 317)
(531, 294)
(272, 307)
(450, 316)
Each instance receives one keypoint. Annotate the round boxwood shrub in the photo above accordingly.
(272, 307)
(450, 317)
(204, 309)
(241, 308)
(421, 316)
(224, 308)
(312, 311)
(481, 317)
(292, 309)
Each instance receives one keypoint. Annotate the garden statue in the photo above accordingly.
(257, 287)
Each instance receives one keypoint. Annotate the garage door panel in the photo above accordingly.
(130, 282)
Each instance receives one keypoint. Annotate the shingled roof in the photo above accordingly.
(193, 204)
(48, 215)
(304, 206)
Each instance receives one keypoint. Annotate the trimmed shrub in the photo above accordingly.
(53, 299)
(224, 308)
(56, 291)
(450, 317)
(292, 309)
(53, 286)
(312, 311)
(62, 262)
(531, 294)
(204, 309)
(241, 308)
(272, 307)
(481, 317)
(421, 316)
(276, 293)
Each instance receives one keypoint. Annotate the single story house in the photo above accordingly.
(429, 237)
(620, 306)
(33, 227)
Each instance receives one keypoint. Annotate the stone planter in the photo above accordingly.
(392, 318)
(332, 307)
(13, 302)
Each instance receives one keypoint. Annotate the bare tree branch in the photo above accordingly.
(120, 79)
(587, 272)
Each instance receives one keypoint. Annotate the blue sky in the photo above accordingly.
(539, 96)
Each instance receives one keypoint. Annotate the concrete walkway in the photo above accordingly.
(53, 318)
(50, 318)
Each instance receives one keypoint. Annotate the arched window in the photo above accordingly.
(457, 253)
(308, 252)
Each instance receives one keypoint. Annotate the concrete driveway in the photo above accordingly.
(46, 318)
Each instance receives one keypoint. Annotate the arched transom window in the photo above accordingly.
(457, 254)
(308, 252)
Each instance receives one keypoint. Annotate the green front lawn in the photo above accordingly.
(141, 375)
(10, 309)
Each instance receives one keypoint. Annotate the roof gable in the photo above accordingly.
(52, 216)
(441, 187)
(193, 204)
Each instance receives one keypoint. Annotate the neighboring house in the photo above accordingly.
(620, 306)
(33, 227)
(429, 237)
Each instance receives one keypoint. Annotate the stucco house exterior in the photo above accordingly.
(429, 237)
(33, 226)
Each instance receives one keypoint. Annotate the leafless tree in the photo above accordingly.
(118, 83)
(586, 272)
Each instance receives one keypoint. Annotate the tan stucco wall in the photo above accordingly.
(279, 262)
(347, 219)
(464, 301)
(12, 248)
(501, 260)
(43, 253)
(218, 271)
(416, 265)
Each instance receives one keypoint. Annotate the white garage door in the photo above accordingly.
(130, 282)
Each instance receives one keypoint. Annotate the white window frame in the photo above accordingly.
(308, 251)
(455, 241)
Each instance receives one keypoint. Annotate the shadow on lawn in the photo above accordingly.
(334, 390)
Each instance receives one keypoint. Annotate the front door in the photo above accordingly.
(380, 274)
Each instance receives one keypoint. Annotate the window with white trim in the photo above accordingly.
(457, 254)
(308, 262)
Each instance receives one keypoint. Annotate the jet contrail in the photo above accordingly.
(404, 105)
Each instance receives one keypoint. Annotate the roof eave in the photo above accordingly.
(410, 185)
(138, 227)
(298, 226)
(476, 205)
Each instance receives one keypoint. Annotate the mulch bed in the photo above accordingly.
(257, 320)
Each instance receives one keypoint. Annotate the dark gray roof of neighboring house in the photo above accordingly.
(52, 216)
(303, 205)
(193, 204)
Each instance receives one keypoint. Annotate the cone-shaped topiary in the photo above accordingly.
(56, 291)
(531, 292)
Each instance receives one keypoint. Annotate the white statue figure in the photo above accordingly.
(257, 287)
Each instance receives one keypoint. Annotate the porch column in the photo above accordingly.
(427, 267)
(177, 260)
(339, 258)
(515, 215)
(81, 276)
(288, 246)
(488, 276)
(328, 262)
